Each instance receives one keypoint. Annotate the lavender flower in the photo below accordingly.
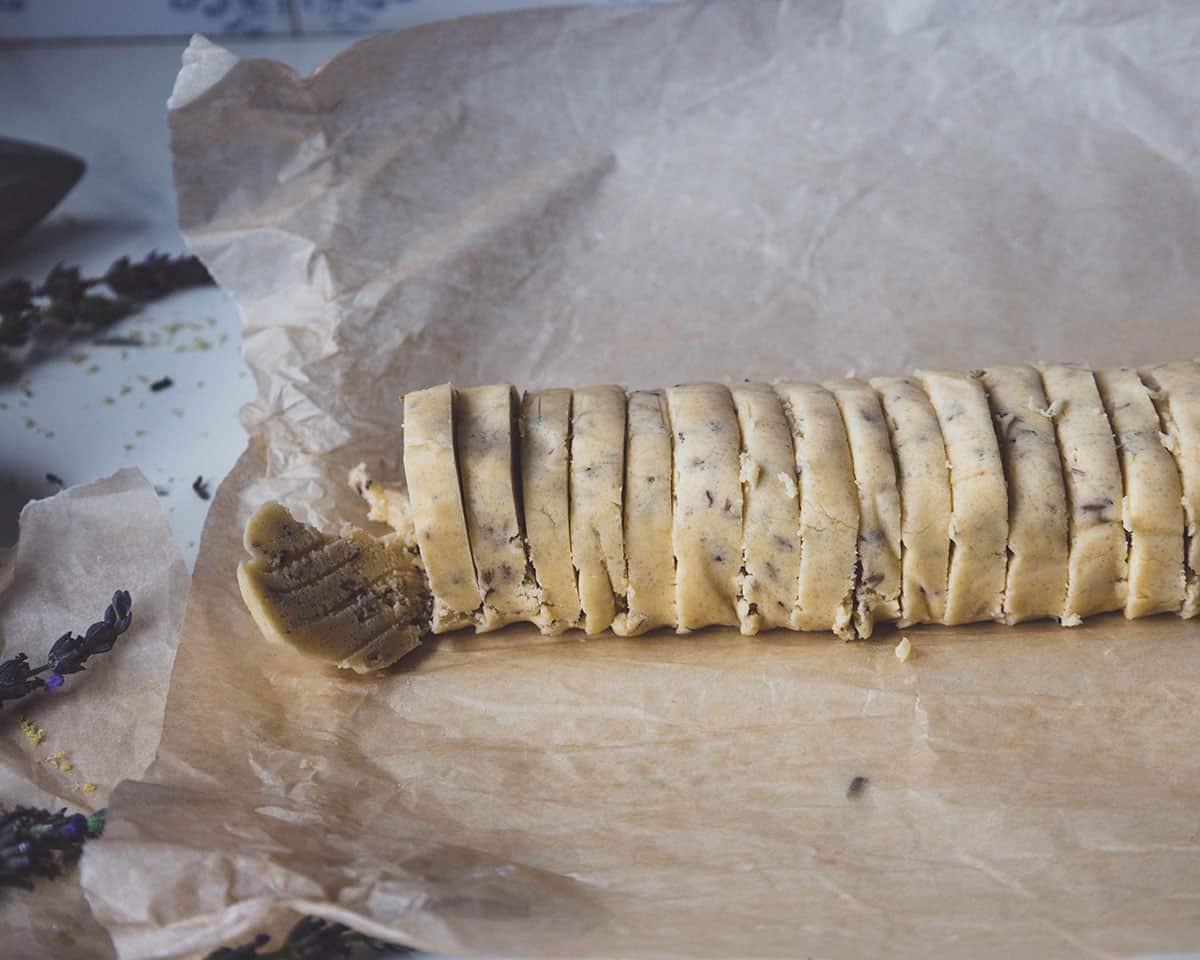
(36, 843)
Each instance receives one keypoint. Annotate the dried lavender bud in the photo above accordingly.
(55, 479)
(156, 276)
(15, 295)
(37, 843)
(312, 938)
(161, 384)
(68, 653)
(200, 488)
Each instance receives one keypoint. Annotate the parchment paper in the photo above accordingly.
(649, 196)
(75, 549)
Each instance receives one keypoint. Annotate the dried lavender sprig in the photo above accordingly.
(36, 843)
(312, 938)
(68, 654)
(65, 295)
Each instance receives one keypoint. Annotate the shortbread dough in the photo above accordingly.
(707, 526)
(978, 498)
(828, 509)
(1097, 579)
(545, 493)
(439, 523)
(770, 580)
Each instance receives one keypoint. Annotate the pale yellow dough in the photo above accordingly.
(924, 482)
(649, 555)
(707, 525)
(352, 600)
(770, 582)
(1036, 584)
(1097, 578)
(1153, 508)
(597, 476)
(828, 509)
(1176, 389)
(440, 526)
(484, 418)
(978, 498)
(878, 593)
(545, 490)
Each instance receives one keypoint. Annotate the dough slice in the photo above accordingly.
(828, 509)
(484, 418)
(707, 526)
(1176, 394)
(1097, 577)
(439, 523)
(978, 498)
(649, 555)
(1152, 511)
(1036, 584)
(546, 493)
(597, 474)
(878, 592)
(770, 580)
(924, 481)
(352, 600)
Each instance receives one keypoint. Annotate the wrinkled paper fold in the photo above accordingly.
(646, 196)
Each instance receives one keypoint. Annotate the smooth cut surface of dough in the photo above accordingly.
(1176, 393)
(352, 600)
(597, 479)
(707, 525)
(545, 491)
(878, 592)
(978, 498)
(1152, 511)
(924, 481)
(770, 582)
(1038, 541)
(1097, 577)
(484, 420)
(649, 555)
(828, 509)
(435, 496)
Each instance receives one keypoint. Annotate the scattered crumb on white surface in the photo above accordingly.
(904, 649)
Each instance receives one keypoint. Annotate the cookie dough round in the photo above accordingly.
(707, 525)
(1036, 583)
(1176, 393)
(924, 481)
(597, 478)
(877, 597)
(978, 498)
(439, 523)
(649, 556)
(1098, 571)
(769, 586)
(828, 509)
(545, 491)
(484, 419)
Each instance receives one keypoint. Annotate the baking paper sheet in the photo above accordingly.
(75, 549)
(648, 196)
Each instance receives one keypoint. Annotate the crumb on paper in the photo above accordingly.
(58, 760)
(33, 733)
(1049, 412)
(904, 649)
(84, 788)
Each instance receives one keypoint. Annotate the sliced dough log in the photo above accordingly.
(545, 489)
(1036, 584)
(1097, 575)
(1152, 510)
(878, 593)
(707, 524)
(352, 600)
(828, 509)
(770, 582)
(1176, 394)
(597, 476)
(978, 498)
(924, 481)
(484, 418)
(649, 556)
(440, 525)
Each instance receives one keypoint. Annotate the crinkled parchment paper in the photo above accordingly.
(75, 549)
(649, 196)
